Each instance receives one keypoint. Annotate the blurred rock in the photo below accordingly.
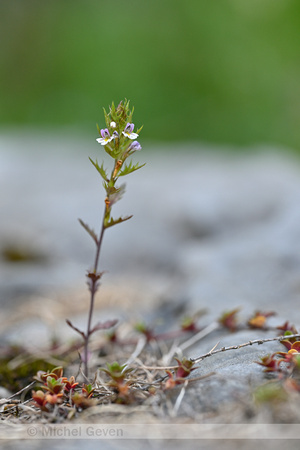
(211, 230)
(214, 228)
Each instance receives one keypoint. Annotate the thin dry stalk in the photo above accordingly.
(246, 344)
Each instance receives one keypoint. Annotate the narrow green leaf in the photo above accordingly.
(89, 230)
(130, 112)
(106, 116)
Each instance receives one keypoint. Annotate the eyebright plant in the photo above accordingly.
(259, 319)
(42, 376)
(183, 370)
(118, 139)
(118, 380)
(189, 324)
(61, 390)
(285, 364)
(44, 401)
(229, 319)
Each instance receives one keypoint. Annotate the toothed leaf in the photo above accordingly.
(113, 222)
(129, 168)
(100, 169)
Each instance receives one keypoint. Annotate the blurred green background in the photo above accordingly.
(219, 71)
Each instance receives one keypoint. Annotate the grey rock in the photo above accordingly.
(210, 230)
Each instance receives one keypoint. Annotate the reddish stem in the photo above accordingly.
(93, 290)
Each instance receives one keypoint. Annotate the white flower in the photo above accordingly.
(113, 124)
(106, 137)
(128, 131)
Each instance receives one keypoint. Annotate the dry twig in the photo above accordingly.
(246, 344)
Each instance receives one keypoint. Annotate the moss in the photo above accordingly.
(15, 377)
(20, 254)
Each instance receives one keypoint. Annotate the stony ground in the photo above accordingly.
(211, 231)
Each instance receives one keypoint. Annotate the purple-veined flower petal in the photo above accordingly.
(105, 133)
(128, 131)
(135, 146)
(106, 137)
(129, 128)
